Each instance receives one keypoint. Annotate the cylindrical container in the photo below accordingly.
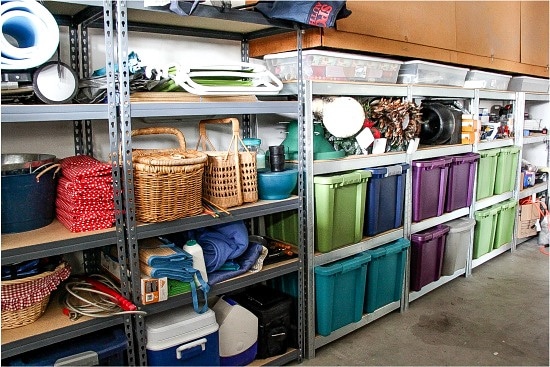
(277, 158)
(195, 250)
(253, 145)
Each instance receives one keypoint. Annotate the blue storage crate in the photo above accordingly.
(385, 274)
(385, 199)
(340, 292)
(103, 348)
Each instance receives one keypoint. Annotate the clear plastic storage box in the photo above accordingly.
(422, 72)
(529, 84)
(329, 65)
(486, 80)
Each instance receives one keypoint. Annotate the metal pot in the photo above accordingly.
(20, 163)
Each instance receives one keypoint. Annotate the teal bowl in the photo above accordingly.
(276, 185)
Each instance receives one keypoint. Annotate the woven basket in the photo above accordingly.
(44, 282)
(167, 182)
(230, 177)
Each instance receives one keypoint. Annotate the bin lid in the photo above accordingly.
(465, 158)
(345, 265)
(344, 179)
(461, 225)
(482, 213)
(509, 150)
(432, 163)
(397, 169)
(430, 233)
(508, 204)
(390, 248)
(178, 326)
(489, 152)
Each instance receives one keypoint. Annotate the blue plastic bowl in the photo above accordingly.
(276, 185)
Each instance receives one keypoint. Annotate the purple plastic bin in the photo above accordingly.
(427, 250)
(429, 184)
(460, 182)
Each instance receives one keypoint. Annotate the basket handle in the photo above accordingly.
(229, 120)
(160, 131)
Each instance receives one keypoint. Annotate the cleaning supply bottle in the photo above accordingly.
(195, 250)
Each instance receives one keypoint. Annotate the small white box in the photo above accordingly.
(528, 84)
(488, 80)
(329, 65)
(422, 72)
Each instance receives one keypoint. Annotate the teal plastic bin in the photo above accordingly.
(484, 231)
(486, 170)
(505, 223)
(385, 274)
(507, 166)
(339, 209)
(340, 292)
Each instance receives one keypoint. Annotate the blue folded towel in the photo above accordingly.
(158, 252)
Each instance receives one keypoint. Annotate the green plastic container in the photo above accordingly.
(283, 226)
(340, 292)
(507, 166)
(484, 231)
(385, 274)
(486, 170)
(339, 209)
(505, 223)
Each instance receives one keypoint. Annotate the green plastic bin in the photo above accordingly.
(505, 223)
(507, 166)
(484, 231)
(283, 226)
(340, 292)
(486, 170)
(339, 209)
(385, 274)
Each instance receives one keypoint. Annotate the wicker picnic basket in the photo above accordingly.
(230, 177)
(25, 300)
(167, 182)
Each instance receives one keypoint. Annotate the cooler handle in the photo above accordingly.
(199, 342)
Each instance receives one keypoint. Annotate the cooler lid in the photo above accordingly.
(461, 225)
(179, 325)
(345, 265)
(343, 179)
(430, 233)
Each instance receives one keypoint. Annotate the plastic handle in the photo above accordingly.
(200, 342)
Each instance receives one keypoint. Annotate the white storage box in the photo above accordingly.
(486, 80)
(422, 72)
(528, 84)
(182, 337)
(328, 65)
(456, 247)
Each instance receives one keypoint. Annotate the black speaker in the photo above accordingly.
(441, 123)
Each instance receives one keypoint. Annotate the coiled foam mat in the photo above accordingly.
(30, 34)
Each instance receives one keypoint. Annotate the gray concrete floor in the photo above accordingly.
(496, 317)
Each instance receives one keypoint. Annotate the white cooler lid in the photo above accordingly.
(178, 326)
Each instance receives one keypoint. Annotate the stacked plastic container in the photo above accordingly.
(427, 249)
(505, 223)
(507, 164)
(460, 182)
(385, 199)
(486, 173)
(339, 209)
(340, 292)
(283, 226)
(456, 245)
(494, 227)
(429, 187)
(385, 274)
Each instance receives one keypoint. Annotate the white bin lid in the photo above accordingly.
(178, 326)
(461, 225)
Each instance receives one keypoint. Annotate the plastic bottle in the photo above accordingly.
(195, 250)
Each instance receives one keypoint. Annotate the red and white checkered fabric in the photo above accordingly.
(21, 295)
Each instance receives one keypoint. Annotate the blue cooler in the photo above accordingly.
(182, 337)
(103, 348)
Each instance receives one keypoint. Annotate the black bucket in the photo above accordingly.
(28, 199)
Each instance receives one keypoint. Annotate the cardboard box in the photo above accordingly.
(528, 216)
(469, 137)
